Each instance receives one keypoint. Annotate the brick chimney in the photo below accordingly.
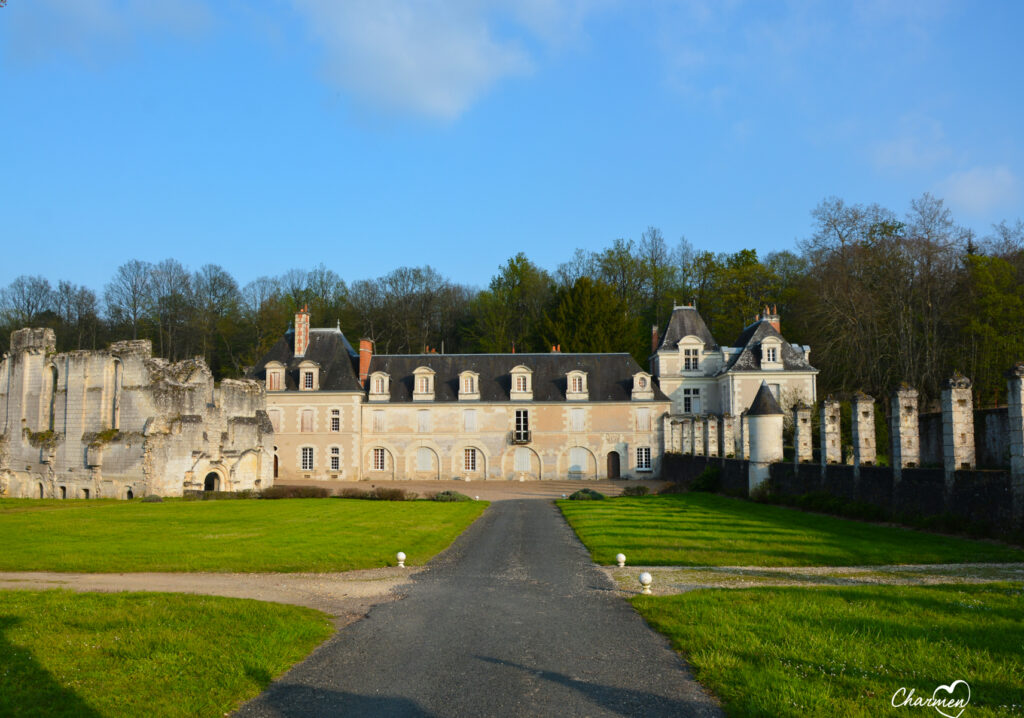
(302, 331)
(365, 355)
(654, 338)
(771, 315)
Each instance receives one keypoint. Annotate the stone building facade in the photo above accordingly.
(121, 424)
(339, 413)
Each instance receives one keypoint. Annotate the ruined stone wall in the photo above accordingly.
(119, 423)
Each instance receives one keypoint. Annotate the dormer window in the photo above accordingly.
(643, 390)
(771, 354)
(576, 386)
(469, 386)
(522, 384)
(423, 384)
(691, 361)
(380, 386)
(309, 376)
(275, 376)
(771, 351)
(691, 349)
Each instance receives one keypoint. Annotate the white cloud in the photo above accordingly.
(981, 189)
(434, 57)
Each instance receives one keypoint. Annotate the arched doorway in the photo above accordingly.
(613, 464)
(41, 494)
(212, 482)
(129, 495)
(275, 466)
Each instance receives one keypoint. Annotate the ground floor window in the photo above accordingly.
(469, 460)
(643, 458)
(307, 458)
(691, 401)
(378, 459)
(335, 458)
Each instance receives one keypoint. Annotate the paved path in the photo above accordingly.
(512, 620)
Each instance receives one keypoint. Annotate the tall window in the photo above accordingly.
(771, 354)
(576, 418)
(307, 458)
(273, 381)
(469, 459)
(378, 385)
(423, 421)
(468, 385)
(378, 421)
(520, 382)
(577, 384)
(335, 458)
(643, 419)
(307, 380)
(691, 401)
(643, 458)
(378, 459)
(307, 420)
(522, 425)
(469, 420)
(335, 420)
(690, 361)
(424, 385)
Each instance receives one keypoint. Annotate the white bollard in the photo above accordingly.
(645, 581)
(621, 558)
(477, 498)
(401, 559)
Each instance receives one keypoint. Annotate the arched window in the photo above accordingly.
(378, 385)
(469, 385)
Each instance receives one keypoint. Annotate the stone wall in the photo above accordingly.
(119, 423)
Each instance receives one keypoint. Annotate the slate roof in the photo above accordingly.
(609, 376)
(686, 321)
(764, 403)
(749, 356)
(327, 347)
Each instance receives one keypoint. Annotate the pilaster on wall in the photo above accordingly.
(686, 426)
(673, 435)
(802, 433)
(744, 443)
(711, 435)
(905, 431)
(863, 411)
(1015, 415)
(957, 427)
(727, 438)
(831, 450)
(698, 436)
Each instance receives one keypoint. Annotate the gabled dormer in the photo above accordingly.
(469, 386)
(380, 386)
(643, 389)
(521, 388)
(309, 375)
(576, 386)
(275, 376)
(691, 355)
(423, 384)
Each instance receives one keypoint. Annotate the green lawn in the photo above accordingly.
(699, 529)
(846, 651)
(85, 655)
(317, 535)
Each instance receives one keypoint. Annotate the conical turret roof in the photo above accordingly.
(765, 403)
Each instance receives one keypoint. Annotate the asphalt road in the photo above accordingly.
(512, 620)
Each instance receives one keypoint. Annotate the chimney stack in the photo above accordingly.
(365, 355)
(771, 315)
(302, 331)
(654, 338)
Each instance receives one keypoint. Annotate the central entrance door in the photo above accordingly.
(613, 464)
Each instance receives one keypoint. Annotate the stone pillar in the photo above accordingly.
(686, 426)
(831, 450)
(905, 431)
(802, 441)
(698, 436)
(957, 427)
(728, 436)
(744, 443)
(711, 435)
(673, 440)
(863, 413)
(1015, 415)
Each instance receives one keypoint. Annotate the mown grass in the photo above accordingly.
(699, 529)
(316, 535)
(144, 654)
(846, 651)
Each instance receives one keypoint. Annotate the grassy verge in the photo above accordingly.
(144, 654)
(700, 529)
(846, 651)
(317, 535)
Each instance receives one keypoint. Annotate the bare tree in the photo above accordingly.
(25, 299)
(126, 294)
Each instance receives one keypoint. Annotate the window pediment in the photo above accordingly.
(469, 386)
(380, 386)
(643, 388)
(576, 388)
(522, 383)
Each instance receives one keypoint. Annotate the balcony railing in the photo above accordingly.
(521, 436)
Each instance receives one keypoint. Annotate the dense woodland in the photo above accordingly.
(882, 298)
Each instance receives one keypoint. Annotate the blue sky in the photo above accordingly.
(373, 134)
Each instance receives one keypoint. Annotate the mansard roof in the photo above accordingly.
(764, 403)
(328, 348)
(748, 358)
(609, 376)
(686, 321)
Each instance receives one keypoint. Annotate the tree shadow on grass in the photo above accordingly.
(28, 689)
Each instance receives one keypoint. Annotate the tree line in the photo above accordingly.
(882, 298)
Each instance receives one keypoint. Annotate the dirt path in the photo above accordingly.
(668, 580)
(492, 490)
(346, 597)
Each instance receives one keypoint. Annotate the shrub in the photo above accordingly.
(152, 499)
(388, 494)
(295, 492)
(354, 494)
(227, 495)
(636, 491)
(450, 496)
(710, 480)
(586, 495)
